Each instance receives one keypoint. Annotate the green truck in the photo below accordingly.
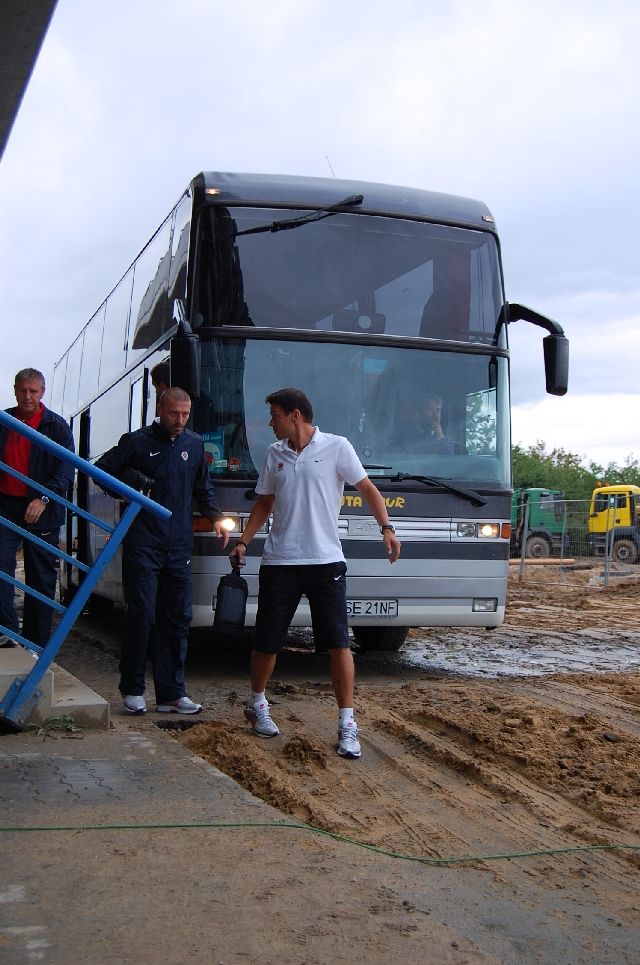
(537, 518)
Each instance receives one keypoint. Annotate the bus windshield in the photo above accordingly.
(346, 272)
(405, 410)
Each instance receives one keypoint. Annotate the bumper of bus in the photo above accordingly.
(412, 613)
(473, 600)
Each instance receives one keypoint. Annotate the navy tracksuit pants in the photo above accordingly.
(157, 589)
(40, 573)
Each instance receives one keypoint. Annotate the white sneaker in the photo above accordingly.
(348, 743)
(184, 705)
(260, 719)
(134, 705)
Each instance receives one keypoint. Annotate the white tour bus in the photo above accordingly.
(378, 302)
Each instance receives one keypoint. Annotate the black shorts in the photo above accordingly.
(282, 588)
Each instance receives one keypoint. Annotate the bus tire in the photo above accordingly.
(625, 551)
(67, 593)
(380, 638)
(99, 606)
(538, 547)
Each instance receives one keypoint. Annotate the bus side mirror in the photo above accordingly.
(185, 360)
(556, 363)
(555, 346)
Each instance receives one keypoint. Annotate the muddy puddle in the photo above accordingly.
(520, 653)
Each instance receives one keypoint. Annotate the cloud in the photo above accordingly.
(604, 346)
(597, 428)
(125, 107)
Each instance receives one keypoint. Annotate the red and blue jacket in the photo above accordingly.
(47, 468)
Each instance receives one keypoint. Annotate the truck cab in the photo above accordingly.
(537, 517)
(614, 515)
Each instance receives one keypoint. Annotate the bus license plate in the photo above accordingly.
(372, 608)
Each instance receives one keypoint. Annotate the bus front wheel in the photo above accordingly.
(99, 606)
(380, 638)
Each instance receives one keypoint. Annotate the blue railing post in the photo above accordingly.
(23, 694)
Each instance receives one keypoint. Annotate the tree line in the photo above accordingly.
(565, 471)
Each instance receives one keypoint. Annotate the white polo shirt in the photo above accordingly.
(308, 492)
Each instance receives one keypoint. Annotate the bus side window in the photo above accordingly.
(118, 306)
(136, 400)
(109, 418)
(149, 303)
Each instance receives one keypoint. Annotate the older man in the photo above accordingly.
(165, 460)
(30, 509)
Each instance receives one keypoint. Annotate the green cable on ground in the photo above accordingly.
(329, 834)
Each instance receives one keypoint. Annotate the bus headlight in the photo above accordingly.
(200, 524)
(467, 529)
(489, 530)
(230, 523)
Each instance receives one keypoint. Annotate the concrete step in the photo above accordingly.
(59, 692)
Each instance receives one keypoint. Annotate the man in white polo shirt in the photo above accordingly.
(301, 484)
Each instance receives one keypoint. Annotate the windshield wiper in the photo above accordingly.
(475, 498)
(287, 223)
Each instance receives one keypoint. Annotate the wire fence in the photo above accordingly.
(553, 537)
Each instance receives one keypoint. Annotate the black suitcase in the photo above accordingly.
(231, 601)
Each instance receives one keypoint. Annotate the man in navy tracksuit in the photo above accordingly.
(30, 509)
(167, 462)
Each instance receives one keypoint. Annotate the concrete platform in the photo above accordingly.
(59, 692)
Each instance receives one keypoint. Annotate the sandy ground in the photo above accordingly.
(504, 754)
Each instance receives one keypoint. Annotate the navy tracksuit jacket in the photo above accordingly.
(156, 553)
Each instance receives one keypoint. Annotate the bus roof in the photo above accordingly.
(287, 190)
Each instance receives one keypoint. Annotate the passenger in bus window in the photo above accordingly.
(166, 461)
(301, 484)
(418, 426)
(429, 427)
(31, 509)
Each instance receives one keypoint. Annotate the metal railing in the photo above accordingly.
(23, 693)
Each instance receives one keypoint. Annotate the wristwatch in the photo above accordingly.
(44, 500)
(388, 526)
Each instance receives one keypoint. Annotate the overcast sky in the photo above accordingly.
(531, 107)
